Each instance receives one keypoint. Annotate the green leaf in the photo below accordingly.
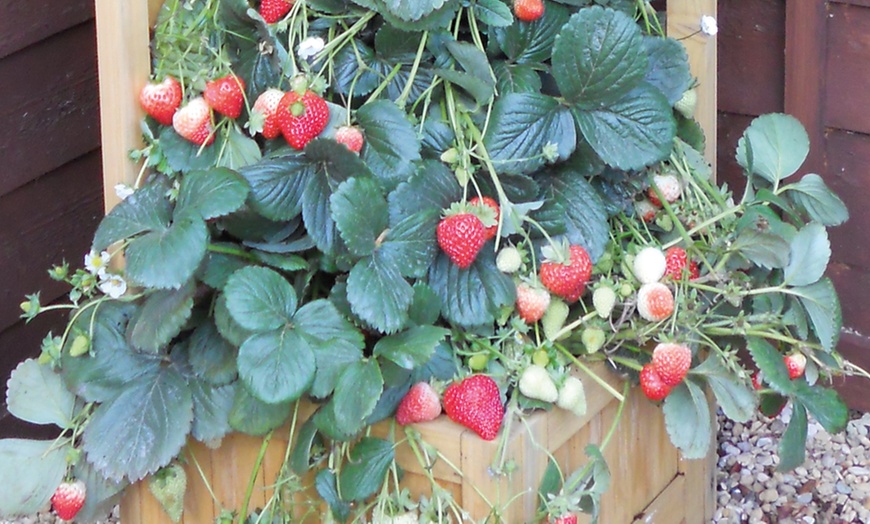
(254, 417)
(472, 296)
(426, 307)
(211, 193)
(334, 161)
(532, 42)
(145, 210)
(364, 473)
(762, 249)
(519, 128)
(825, 405)
(229, 329)
(288, 263)
(237, 150)
(412, 348)
(809, 253)
(357, 393)
(769, 361)
(168, 258)
(412, 9)
(277, 185)
(332, 359)
(325, 484)
(433, 187)
(211, 410)
(260, 299)
(103, 494)
(379, 294)
(476, 76)
(142, 429)
(113, 364)
(668, 68)
(183, 155)
(551, 483)
(352, 70)
(632, 132)
(391, 145)
(792, 447)
(277, 366)
(301, 455)
(687, 419)
(737, 401)
(360, 213)
(211, 357)
(823, 307)
(218, 267)
(820, 203)
(161, 318)
(316, 213)
(32, 470)
(598, 58)
(779, 145)
(410, 245)
(493, 13)
(37, 394)
(515, 78)
(584, 225)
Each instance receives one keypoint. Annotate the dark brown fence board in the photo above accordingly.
(848, 174)
(50, 111)
(751, 59)
(731, 128)
(25, 23)
(44, 222)
(847, 71)
(856, 346)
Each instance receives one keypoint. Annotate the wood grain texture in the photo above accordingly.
(847, 174)
(751, 56)
(50, 106)
(847, 69)
(26, 23)
(44, 226)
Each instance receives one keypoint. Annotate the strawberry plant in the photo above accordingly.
(380, 207)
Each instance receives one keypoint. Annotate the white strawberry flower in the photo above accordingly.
(113, 285)
(309, 48)
(709, 26)
(123, 190)
(650, 265)
(97, 263)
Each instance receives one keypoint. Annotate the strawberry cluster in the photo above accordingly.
(669, 366)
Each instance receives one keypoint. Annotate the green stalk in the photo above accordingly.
(414, 68)
(253, 478)
(583, 367)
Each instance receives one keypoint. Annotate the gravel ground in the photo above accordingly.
(832, 487)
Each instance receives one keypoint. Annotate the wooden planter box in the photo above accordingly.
(650, 482)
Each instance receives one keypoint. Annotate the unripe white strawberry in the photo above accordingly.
(537, 384)
(655, 302)
(554, 319)
(604, 298)
(593, 339)
(509, 260)
(572, 396)
(687, 103)
(668, 185)
(645, 210)
(649, 265)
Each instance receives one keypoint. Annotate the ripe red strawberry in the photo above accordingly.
(274, 10)
(528, 10)
(568, 280)
(668, 185)
(757, 381)
(193, 122)
(796, 364)
(420, 404)
(566, 518)
(461, 236)
(652, 385)
(672, 361)
(655, 302)
(161, 100)
(475, 403)
(677, 260)
(532, 302)
(489, 202)
(68, 499)
(302, 117)
(350, 136)
(267, 105)
(226, 95)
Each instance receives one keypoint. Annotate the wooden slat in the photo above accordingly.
(50, 105)
(847, 69)
(684, 22)
(847, 174)
(25, 23)
(806, 34)
(667, 508)
(122, 46)
(751, 54)
(42, 225)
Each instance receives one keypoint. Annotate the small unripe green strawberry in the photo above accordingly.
(541, 358)
(572, 396)
(593, 339)
(509, 260)
(80, 345)
(604, 298)
(554, 319)
(625, 290)
(450, 156)
(687, 103)
(478, 361)
(537, 384)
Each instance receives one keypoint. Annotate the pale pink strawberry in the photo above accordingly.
(420, 404)
(68, 499)
(532, 302)
(655, 302)
(668, 185)
(672, 361)
(267, 105)
(351, 137)
(161, 100)
(193, 122)
(796, 364)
